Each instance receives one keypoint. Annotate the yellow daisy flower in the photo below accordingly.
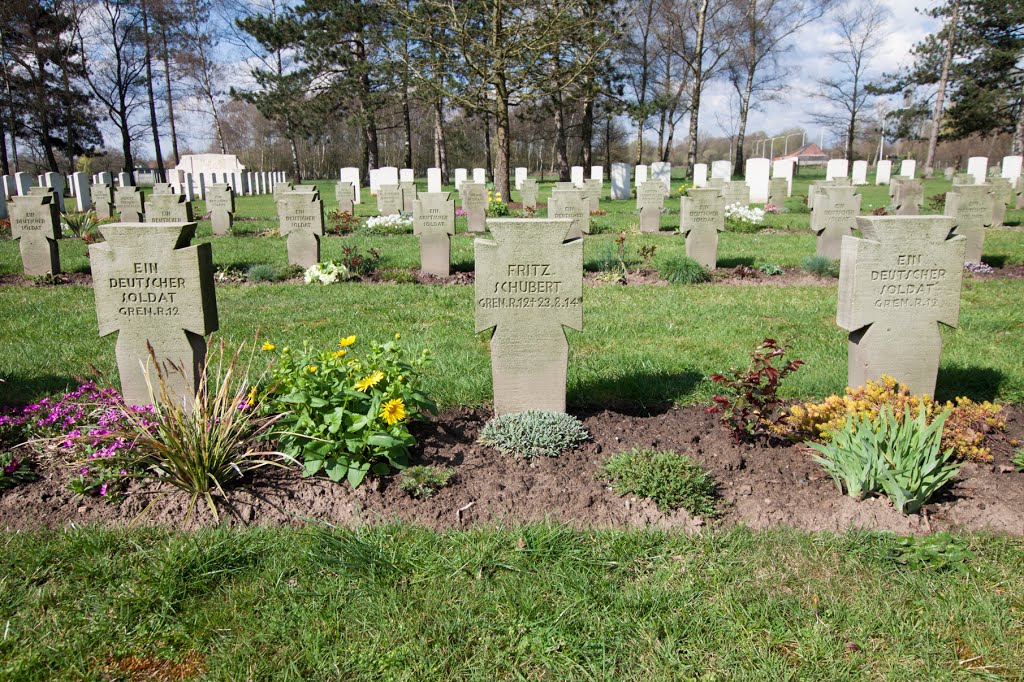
(347, 341)
(369, 381)
(393, 411)
(268, 346)
(339, 353)
(311, 369)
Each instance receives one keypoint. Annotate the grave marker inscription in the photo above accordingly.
(220, 201)
(650, 200)
(474, 201)
(433, 221)
(701, 218)
(972, 208)
(301, 215)
(35, 225)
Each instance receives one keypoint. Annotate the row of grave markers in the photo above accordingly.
(156, 291)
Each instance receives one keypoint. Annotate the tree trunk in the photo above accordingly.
(170, 100)
(639, 142)
(372, 146)
(440, 153)
(668, 143)
(1018, 134)
(940, 96)
(502, 130)
(587, 132)
(296, 169)
(149, 92)
(126, 145)
(488, 158)
(561, 146)
(698, 85)
(608, 142)
(744, 112)
(5, 164)
(850, 131)
(407, 123)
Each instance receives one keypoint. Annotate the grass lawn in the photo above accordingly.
(539, 602)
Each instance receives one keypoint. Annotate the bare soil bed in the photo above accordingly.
(760, 487)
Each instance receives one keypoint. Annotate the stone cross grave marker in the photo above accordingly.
(833, 217)
(906, 196)
(972, 208)
(563, 186)
(948, 172)
(35, 225)
(131, 207)
(777, 189)
(701, 218)
(1002, 191)
(592, 191)
(963, 179)
(736, 192)
(650, 199)
(895, 285)
(282, 188)
(433, 221)
(571, 205)
(152, 287)
(408, 195)
(220, 201)
(528, 192)
(529, 285)
(344, 193)
(102, 195)
(474, 201)
(301, 215)
(389, 199)
(8, 190)
(162, 188)
(168, 208)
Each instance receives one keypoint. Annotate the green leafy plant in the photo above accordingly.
(534, 433)
(672, 480)
(262, 272)
(1018, 459)
(396, 275)
(902, 458)
(84, 224)
(749, 403)
(357, 263)
(935, 552)
(200, 443)
(682, 270)
(341, 222)
(821, 266)
(424, 481)
(771, 269)
(14, 471)
(347, 413)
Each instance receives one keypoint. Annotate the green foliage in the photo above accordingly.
(84, 224)
(396, 275)
(262, 272)
(771, 269)
(534, 433)
(749, 402)
(682, 270)
(934, 552)
(670, 479)
(902, 458)
(347, 413)
(356, 262)
(821, 266)
(199, 444)
(14, 471)
(423, 481)
(1018, 459)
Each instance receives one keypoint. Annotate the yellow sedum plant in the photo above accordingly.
(966, 429)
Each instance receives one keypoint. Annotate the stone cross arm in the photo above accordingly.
(525, 277)
(148, 281)
(906, 271)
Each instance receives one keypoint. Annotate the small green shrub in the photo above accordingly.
(534, 434)
(682, 270)
(901, 458)
(84, 224)
(396, 275)
(424, 481)
(14, 471)
(821, 266)
(670, 479)
(347, 412)
(262, 272)
(1018, 459)
(771, 269)
(800, 207)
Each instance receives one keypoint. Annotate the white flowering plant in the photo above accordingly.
(741, 218)
(327, 272)
(389, 224)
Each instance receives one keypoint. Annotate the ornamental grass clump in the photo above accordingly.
(200, 443)
(966, 430)
(346, 412)
(821, 266)
(670, 479)
(902, 458)
(682, 270)
(534, 434)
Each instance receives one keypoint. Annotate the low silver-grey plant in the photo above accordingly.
(534, 434)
